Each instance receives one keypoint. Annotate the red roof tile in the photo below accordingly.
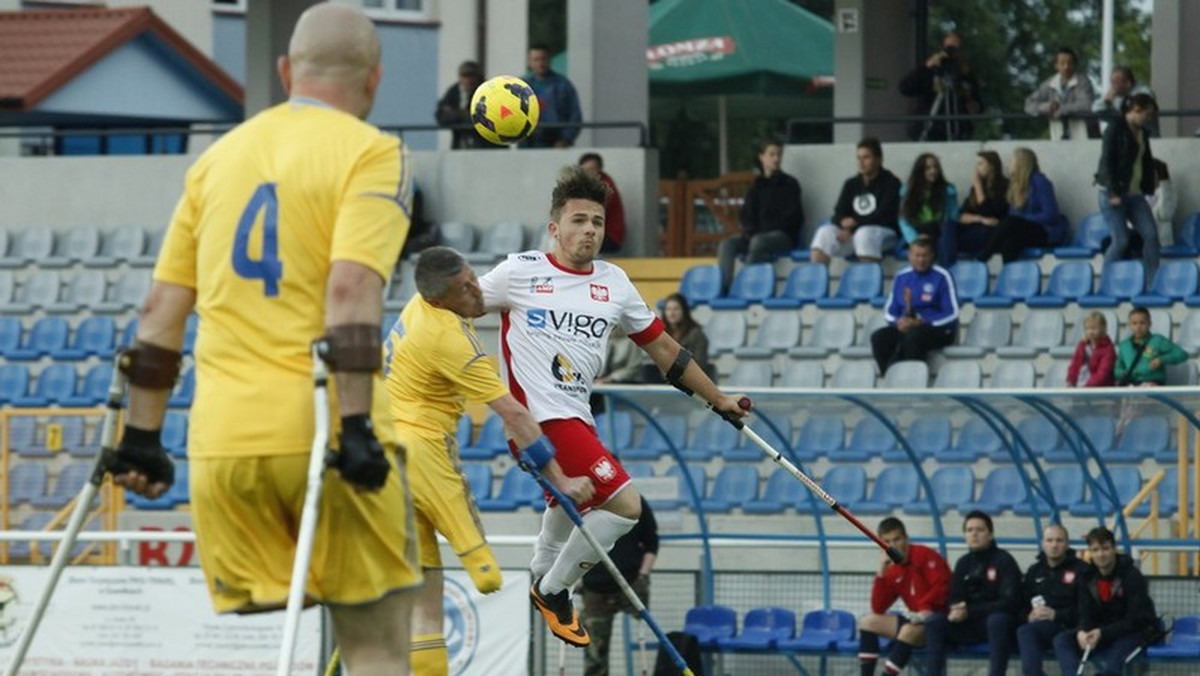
(42, 50)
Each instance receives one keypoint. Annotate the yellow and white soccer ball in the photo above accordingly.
(504, 110)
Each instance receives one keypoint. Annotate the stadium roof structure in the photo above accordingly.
(97, 66)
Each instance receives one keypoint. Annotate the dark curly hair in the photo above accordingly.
(576, 184)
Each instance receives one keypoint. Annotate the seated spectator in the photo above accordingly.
(1033, 219)
(623, 363)
(921, 311)
(1094, 358)
(945, 71)
(614, 209)
(678, 323)
(985, 595)
(865, 217)
(558, 100)
(1143, 357)
(1163, 203)
(983, 209)
(771, 217)
(1116, 613)
(1126, 178)
(928, 205)
(1121, 85)
(1065, 98)
(454, 109)
(921, 580)
(1051, 594)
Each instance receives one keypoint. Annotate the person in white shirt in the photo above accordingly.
(1065, 98)
(557, 311)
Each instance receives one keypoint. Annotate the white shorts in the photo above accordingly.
(869, 241)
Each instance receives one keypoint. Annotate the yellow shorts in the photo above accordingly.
(246, 513)
(442, 498)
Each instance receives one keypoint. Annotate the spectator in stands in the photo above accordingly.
(929, 206)
(983, 209)
(1143, 357)
(1126, 178)
(1116, 613)
(614, 209)
(867, 211)
(634, 553)
(922, 580)
(771, 216)
(985, 595)
(677, 319)
(558, 100)
(1065, 98)
(1121, 85)
(1163, 203)
(945, 71)
(1094, 358)
(1033, 219)
(454, 108)
(921, 311)
(624, 361)
(1051, 589)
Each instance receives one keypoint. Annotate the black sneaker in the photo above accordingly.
(560, 615)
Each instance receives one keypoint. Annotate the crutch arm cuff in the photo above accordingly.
(150, 366)
(539, 453)
(675, 373)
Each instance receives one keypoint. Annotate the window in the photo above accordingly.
(396, 9)
(229, 5)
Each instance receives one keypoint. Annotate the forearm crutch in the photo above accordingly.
(83, 503)
(308, 516)
(573, 514)
(1087, 652)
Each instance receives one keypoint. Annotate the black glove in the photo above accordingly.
(142, 451)
(361, 459)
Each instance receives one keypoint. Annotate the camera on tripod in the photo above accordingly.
(948, 66)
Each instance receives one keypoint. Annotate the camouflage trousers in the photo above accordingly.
(599, 610)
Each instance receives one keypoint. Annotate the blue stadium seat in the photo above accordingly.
(129, 334)
(782, 491)
(970, 280)
(185, 391)
(1069, 281)
(779, 332)
(988, 330)
(1144, 437)
(516, 491)
(699, 478)
(832, 332)
(712, 438)
(927, 436)
(189, 333)
(1089, 238)
(1002, 489)
(894, 487)
(822, 630)
(55, 383)
(94, 337)
(906, 375)
(1120, 281)
(976, 440)
(753, 284)
(726, 331)
(959, 375)
(37, 521)
(853, 375)
(1041, 331)
(491, 441)
(1182, 643)
(1016, 282)
(68, 484)
(122, 244)
(700, 284)
(10, 335)
(639, 470)
(174, 433)
(26, 481)
(615, 430)
(652, 444)
(1044, 440)
(870, 439)
(762, 629)
(1066, 485)
(748, 451)
(93, 388)
(70, 433)
(14, 382)
(1099, 431)
(802, 373)
(953, 487)
(821, 435)
(1174, 282)
(710, 624)
(48, 336)
(1127, 480)
(806, 283)
(464, 432)
(1013, 375)
(23, 437)
(733, 486)
(846, 483)
(861, 348)
(1187, 245)
(479, 479)
(860, 283)
(179, 492)
(750, 373)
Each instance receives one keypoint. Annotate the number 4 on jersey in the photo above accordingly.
(268, 267)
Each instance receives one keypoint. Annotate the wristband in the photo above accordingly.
(540, 452)
(135, 436)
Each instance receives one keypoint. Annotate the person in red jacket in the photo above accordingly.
(922, 581)
(1092, 365)
(614, 209)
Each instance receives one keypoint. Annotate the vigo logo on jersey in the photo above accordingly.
(571, 323)
(566, 375)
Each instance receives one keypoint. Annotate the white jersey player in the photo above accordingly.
(558, 309)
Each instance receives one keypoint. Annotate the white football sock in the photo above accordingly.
(578, 556)
(556, 528)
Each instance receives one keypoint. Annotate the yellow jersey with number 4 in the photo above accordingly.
(265, 211)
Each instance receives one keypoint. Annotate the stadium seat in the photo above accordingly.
(1044, 440)
(28, 246)
(1187, 244)
(846, 483)
(1189, 334)
(121, 245)
(1173, 282)
(821, 436)
(14, 382)
(927, 436)
(458, 236)
(92, 390)
(1066, 485)
(1127, 480)
(1040, 331)
(803, 373)
(1182, 643)
(68, 484)
(615, 430)
(1002, 489)
(700, 284)
(70, 433)
(1016, 282)
(47, 337)
(854, 375)
(726, 331)
(84, 290)
(516, 491)
(733, 486)
(762, 629)
(23, 437)
(894, 487)
(76, 245)
(860, 283)
(782, 491)
(959, 375)
(989, 330)
(1120, 281)
(751, 373)
(638, 470)
(1069, 281)
(778, 332)
(1098, 430)
(126, 293)
(190, 329)
(479, 479)
(154, 244)
(26, 481)
(806, 283)
(976, 440)
(752, 284)
(907, 375)
(10, 335)
(953, 487)
(684, 496)
(94, 337)
(1183, 373)
(464, 432)
(185, 391)
(491, 441)
(748, 451)
(38, 291)
(970, 280)
(712, 438)
(822, 630)
(8, 284)
(1089, 238)
(55, 383)
(174, 433)
(1013, 375)
(832, 332)
(710, 624)
(129, 334)
(861, 349)
(1144, 437)
(652, 445)
(870, 439)
(21, 549)
(498, 240)
(1067, 349)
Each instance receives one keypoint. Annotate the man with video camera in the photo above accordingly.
(942, 87)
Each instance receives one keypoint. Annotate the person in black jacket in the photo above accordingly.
(1116, 613)
(944, 73)
(1051, 598)
(984, 598)
(866, 219)
(1126, 178)
(454, 108)
(771, 218)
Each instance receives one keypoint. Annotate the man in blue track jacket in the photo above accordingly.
(922, 311)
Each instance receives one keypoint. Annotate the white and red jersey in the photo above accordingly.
(555, 324)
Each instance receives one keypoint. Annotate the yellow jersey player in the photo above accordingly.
(287, 229)
(436, 363)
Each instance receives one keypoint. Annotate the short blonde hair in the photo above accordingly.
(1096, 317)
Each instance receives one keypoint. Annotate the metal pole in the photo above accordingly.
(1106, 45)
